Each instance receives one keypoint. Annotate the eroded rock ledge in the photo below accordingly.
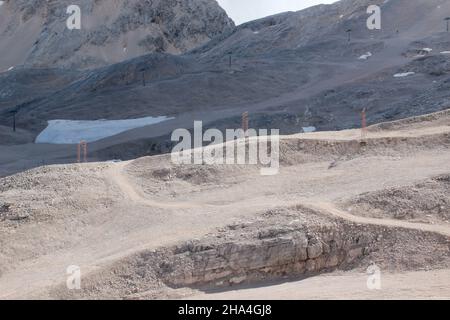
(290, 242)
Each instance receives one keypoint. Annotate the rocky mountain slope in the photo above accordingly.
(34, 32)
(292, 70)
(149, 228)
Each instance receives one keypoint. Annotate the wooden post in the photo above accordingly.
(245, 125)
(85, 151)
(82, 149)
(363, 125)
(79, 152)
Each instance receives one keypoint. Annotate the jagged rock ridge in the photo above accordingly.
(111, 30)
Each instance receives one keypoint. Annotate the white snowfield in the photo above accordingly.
(309, 129)
(73, 131)
(405, 74)
(365, 56)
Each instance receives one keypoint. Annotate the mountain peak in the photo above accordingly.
(111, 30)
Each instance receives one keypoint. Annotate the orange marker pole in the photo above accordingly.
(363, 124)
(79, 153)
(85, 151)
(82, 148)
(245, 123)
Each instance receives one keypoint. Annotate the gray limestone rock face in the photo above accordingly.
(35, 32)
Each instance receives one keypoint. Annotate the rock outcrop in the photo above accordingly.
(111, 30)
(284, 243)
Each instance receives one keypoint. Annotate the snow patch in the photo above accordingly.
(309, 129)
(365, 56)
(404, 74)
(73, 131)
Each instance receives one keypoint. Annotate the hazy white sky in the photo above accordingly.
(245, 10)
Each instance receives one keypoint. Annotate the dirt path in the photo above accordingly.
(332, 210)
(141, 220)
(118, 176)
(434, 285)
(130, 191)
(355, 134)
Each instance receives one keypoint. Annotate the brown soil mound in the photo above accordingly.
(428, 201)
